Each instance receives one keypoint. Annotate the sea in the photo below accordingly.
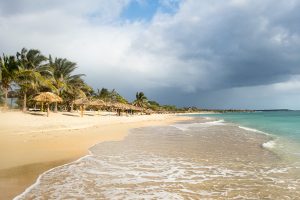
(282, 126)
(216, 156)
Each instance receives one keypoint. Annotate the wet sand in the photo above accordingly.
(32, 144)
(198, 161)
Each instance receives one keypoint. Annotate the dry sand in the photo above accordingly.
(32, 143)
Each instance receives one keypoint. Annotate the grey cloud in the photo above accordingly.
(237, 43)
(207, 53)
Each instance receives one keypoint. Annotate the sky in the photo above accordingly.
(242, 54)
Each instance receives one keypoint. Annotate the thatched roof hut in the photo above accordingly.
(120, 106)
(97, 102)
(149, 111)
(82, 101)
(47, 97)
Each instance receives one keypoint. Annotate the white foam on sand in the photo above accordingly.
(269, 145)
(137, 177)
(185, 127)
(252, 130)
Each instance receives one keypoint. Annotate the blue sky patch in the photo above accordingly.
(146, 9)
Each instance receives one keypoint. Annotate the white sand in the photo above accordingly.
(31, 143)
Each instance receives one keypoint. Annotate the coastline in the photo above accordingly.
(31, 144)
(196, 159)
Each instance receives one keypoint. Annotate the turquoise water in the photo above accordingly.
(284, 126)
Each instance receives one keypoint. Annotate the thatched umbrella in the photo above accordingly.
(137, 108)
(97, 103)
(82, 102)
(47, 97)
(149, 111)
(120, 107)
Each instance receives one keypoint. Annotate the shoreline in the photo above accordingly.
(31, 148)
(171, 160)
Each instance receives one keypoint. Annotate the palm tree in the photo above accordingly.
(141, 100)
(62, 75)
(33, 72)
(77, 88)
(8, 70)
(103, 94)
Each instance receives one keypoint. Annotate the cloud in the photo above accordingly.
(201, 49)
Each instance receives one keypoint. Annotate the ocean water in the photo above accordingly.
(283, 126)
(199, 159)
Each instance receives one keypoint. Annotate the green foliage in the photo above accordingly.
(1, 97)
(103, 94)
(31, 73)
(110, 96)
(141, 100)
(154, 103)
(169, 107)
(8, 70)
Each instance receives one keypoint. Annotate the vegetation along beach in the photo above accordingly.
(149, 99)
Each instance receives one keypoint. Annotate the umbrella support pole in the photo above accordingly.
(48, 110)
(81, 111)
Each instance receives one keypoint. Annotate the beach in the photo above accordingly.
(31, 144)
(201, 158)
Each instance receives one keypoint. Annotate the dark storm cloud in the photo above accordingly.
(238, 45)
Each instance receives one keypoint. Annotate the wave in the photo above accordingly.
(185, 127)
(269, 145)
(38, 180)
(252, 130)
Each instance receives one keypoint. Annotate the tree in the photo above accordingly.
(32, 73)
(114, 96)
(103, 94)
(141, 100)
(77, 88)
(63, 77)
(153, 105)
(8, 70)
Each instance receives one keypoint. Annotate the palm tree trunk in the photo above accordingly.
(55, 108)
(81, 111)
(42, 109)
(72, 107)
(5, 98)
(24, 102)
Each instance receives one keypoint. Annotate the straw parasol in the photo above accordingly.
(82, 102)
(97, 102)
(120, 107)
(47, 97)
(149, 111)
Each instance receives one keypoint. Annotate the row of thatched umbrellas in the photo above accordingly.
(49, 97)
(99, 103)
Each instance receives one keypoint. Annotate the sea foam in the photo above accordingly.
(185, 127)
(269, 145)
(252, 130)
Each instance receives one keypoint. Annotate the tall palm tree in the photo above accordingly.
(8, 68)
(77, 88)
(63, 77)
(33, 72)
(141, 100)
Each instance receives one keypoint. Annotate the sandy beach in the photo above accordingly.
(31, 143)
